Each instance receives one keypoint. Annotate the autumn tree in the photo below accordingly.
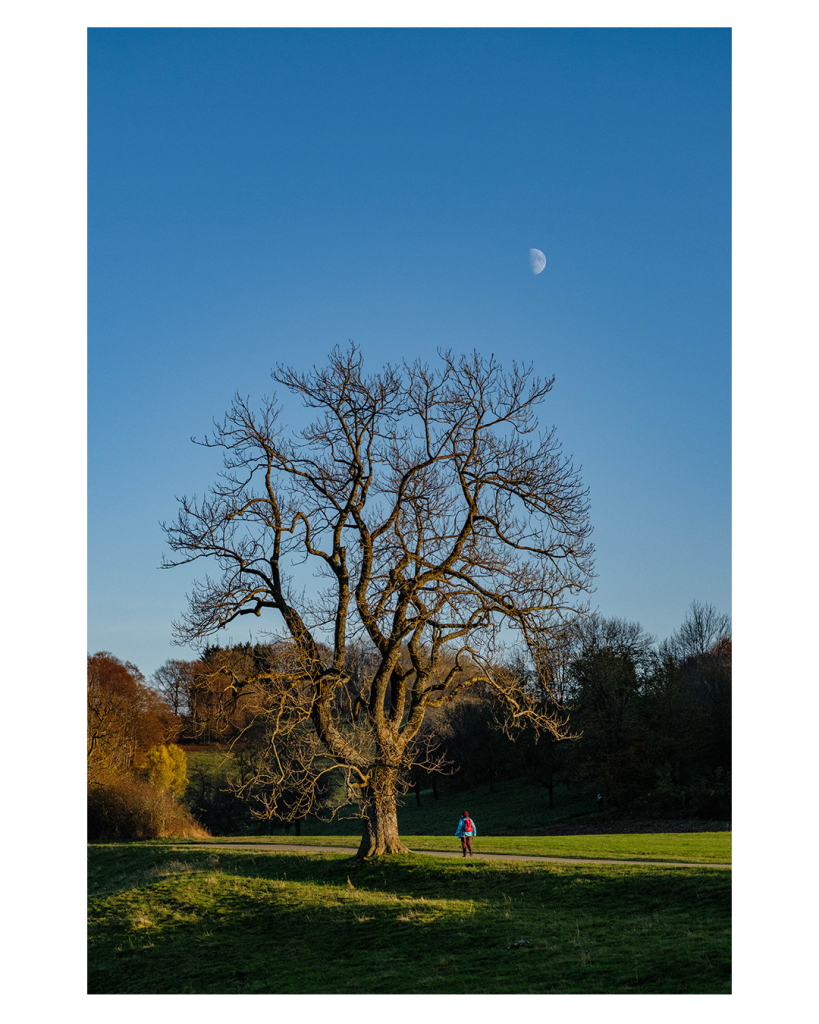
(196, 692)
(167, 768)
(216, 712)
(445, 525)
(125, 717)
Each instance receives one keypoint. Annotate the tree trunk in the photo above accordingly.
(381, 816)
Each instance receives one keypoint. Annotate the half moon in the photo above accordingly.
(537, 260)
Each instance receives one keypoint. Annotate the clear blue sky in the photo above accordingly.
(259, 196)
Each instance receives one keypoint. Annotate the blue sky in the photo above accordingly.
(260, 196)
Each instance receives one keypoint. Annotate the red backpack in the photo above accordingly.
(468, 825)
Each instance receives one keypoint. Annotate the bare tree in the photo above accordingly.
(702, 632)
(174, 682)
(697, 658)
(446, 527)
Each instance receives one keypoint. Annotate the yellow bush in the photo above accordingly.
(167, 768)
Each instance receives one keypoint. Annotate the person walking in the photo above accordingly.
(466, 829)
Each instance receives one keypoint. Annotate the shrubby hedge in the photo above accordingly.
(130, 809)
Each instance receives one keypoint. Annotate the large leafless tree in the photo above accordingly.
(445, 524)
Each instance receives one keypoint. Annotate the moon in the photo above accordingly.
(537, 260)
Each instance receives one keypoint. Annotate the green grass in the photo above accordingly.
(213, 760)
(167, 920)
(689, 847)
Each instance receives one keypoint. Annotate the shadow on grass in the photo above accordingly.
(245, 922)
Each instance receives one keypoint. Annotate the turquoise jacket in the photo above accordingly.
(460, 830)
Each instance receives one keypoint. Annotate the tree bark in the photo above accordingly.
(380, 833)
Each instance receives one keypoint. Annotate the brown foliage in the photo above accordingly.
(125, 717)
(130, 809)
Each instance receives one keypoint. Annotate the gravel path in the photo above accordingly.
(294, 848)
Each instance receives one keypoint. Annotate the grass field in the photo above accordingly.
(692, 847)
(198, 920)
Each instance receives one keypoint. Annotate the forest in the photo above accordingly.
(641, 724)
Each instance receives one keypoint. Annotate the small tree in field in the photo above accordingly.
(444, 526)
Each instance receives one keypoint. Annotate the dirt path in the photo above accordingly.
(295, 848)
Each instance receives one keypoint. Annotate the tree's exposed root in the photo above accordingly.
(365, 852)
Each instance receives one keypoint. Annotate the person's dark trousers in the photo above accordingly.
(466, 844)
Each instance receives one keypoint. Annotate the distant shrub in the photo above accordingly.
(131, 809)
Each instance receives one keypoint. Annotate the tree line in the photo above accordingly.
(648, 725)
(645, 724)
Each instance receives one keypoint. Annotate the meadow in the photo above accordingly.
(693, 847)
(166, 918)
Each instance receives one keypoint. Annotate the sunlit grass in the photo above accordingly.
(688, 847)
(166, 920)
